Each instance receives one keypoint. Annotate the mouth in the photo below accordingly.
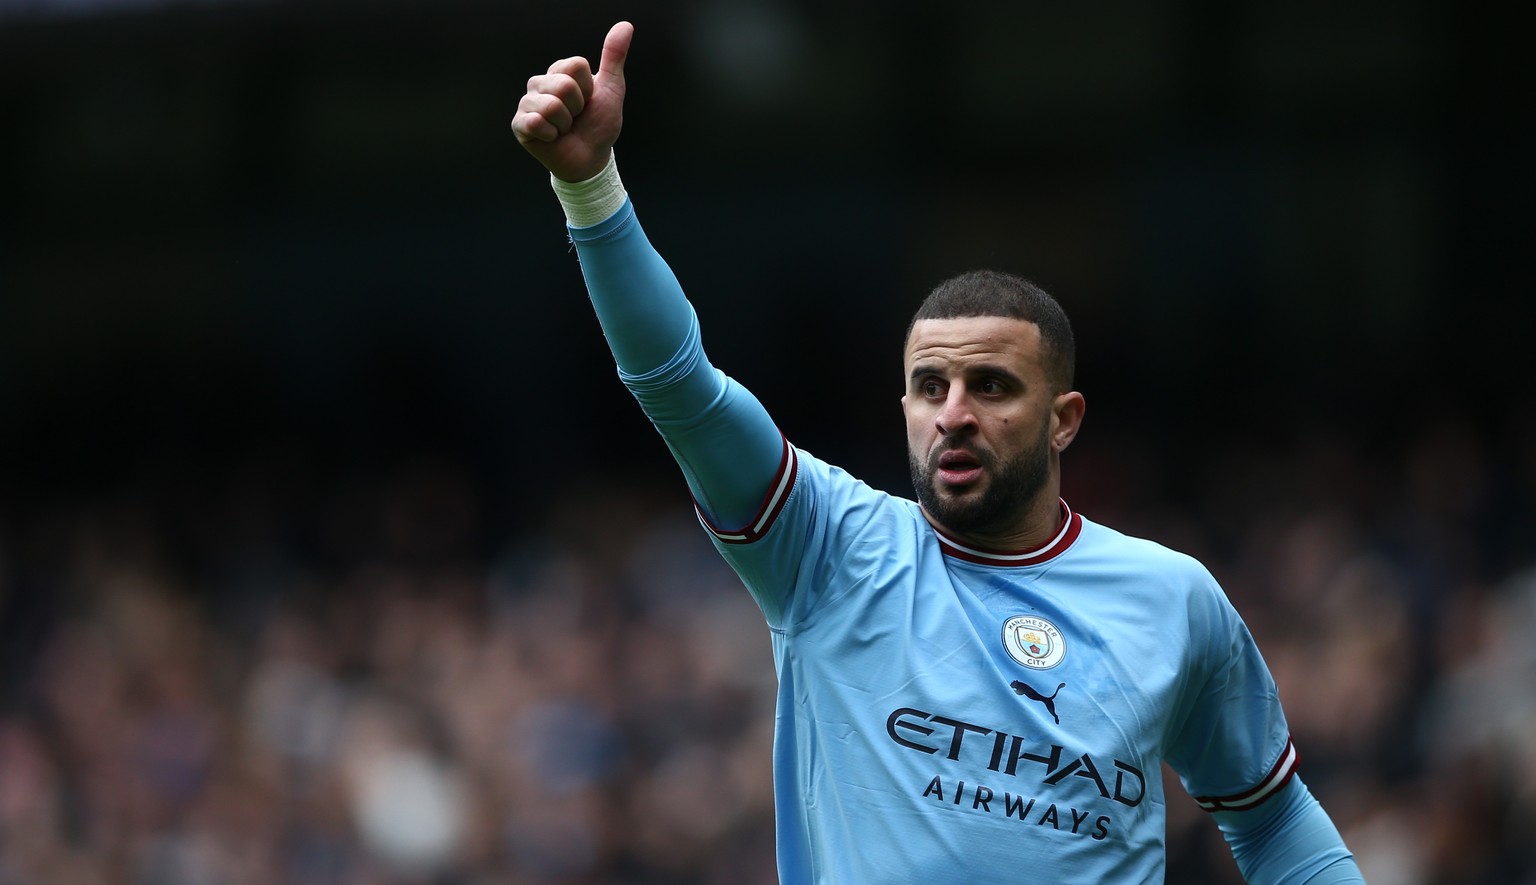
(956, 467)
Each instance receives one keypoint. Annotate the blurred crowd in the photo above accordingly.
(260, 676)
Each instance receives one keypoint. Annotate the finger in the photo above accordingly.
(530, 127)
(580, 72)
(541, 117)
(616, 50)
(563, 87)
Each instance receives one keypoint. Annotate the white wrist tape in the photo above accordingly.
(588, 202)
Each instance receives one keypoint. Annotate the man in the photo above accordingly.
(978, 686)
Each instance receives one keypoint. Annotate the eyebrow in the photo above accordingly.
(923, 370)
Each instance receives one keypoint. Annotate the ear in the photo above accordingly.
(1066, 418)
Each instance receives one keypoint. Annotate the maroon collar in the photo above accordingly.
(1071, 526)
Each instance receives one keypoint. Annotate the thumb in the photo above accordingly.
(616, 50)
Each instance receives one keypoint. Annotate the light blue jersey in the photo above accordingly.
(945, 709)
(947, 713)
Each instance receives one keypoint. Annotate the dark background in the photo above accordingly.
(271, 270)
(228, 226)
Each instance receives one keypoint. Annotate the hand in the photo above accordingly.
(570, 118)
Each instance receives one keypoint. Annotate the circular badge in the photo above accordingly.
(1034, 642)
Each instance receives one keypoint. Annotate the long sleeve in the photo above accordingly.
(1288, 840)
(1233, 751)
(728, 447)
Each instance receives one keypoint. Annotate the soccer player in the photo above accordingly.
(979, 685)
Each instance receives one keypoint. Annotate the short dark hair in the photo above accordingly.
(991, 293)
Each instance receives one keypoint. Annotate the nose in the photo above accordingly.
(956, 417)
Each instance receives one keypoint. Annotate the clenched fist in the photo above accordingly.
(570, 117)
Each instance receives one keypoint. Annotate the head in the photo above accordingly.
(989, 406)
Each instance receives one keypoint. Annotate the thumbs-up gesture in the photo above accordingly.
(570, 117)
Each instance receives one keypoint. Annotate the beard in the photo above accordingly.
(1012, 485)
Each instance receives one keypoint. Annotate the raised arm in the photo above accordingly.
(729, 449)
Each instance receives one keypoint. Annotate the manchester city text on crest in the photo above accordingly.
(1034, 642)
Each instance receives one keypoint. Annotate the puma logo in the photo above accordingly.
(1048, 700)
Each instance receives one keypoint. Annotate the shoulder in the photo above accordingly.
(817, 511)
(1172, 581)
(832, 533)
(854, 527)
(1113, 549)
(839, 494)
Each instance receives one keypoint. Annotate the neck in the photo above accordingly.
(1041, 522)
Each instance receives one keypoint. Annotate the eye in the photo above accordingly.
(931, 388)
(990, 386)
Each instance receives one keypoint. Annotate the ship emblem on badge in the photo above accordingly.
(1034, 642)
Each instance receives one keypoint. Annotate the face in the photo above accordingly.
(984, 425)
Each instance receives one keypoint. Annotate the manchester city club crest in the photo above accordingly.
(1034, 642)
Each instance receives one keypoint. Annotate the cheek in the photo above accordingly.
(914, 426)
(919, 429)
(1023, 427)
